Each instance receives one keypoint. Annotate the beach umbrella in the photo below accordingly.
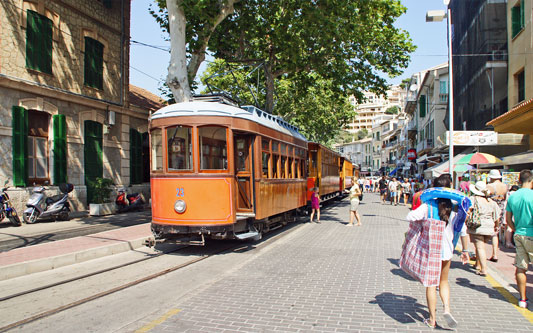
(460, 168)
(479, 158)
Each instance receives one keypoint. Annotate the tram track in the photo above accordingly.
(269, 239)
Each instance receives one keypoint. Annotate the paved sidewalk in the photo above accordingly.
(46, 256)
(328, 277)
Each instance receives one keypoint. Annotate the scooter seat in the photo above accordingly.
(54, 198)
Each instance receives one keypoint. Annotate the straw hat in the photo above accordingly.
(480, 188)
(495, 174)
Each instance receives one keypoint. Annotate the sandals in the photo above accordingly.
(450, 320)
(493, 259)
(480, 273)
(428, 324)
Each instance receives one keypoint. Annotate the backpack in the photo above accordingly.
(474, 221)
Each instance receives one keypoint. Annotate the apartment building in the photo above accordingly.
(375, 106)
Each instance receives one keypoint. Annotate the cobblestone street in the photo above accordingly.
(332, 278)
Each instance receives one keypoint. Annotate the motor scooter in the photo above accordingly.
(6, 209)
(40, 206)
(128, 202)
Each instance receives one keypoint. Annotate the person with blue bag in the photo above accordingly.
(437, 226)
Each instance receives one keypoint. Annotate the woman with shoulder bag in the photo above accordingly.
(483, 223)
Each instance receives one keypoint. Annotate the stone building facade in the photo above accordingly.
(64, 72)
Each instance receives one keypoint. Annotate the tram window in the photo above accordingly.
(179, 148)
(275, 166)
(283, 149)
(297, 168)
(266, 158)
(213, 148)
(157, 149)
(265, 144)
(275, 146)
(291, 168)
(283, 173)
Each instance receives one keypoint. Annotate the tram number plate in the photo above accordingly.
(180, 192)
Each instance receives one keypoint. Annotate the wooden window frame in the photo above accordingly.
(163, 150)
(46, 137)
(199, 150)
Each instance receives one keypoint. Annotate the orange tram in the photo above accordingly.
(221, 171)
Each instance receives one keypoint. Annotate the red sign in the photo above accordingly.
(411, 154)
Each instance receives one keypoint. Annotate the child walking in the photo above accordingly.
(315, 205)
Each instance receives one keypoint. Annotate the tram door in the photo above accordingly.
(243, 172)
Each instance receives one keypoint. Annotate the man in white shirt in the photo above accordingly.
(393, 188)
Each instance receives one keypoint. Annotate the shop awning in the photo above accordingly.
(516, 120)
(438, 169)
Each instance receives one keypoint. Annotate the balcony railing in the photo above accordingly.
(443, 98)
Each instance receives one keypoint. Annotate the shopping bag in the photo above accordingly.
(421, 252)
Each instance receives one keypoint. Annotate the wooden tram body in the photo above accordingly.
(221, 171)
(324, 171)
(347, 174)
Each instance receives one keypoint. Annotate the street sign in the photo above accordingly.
(473, 138)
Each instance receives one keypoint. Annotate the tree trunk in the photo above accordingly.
(177, 79)
(269, 99)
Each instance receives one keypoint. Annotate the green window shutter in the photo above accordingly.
(422, 106)
(20, 145)
(39, 42)
(522, 14)
(93, 63)
(135, 157)
(60, 149)
(92, 154)
(515, 20)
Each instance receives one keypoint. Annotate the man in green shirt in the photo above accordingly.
(520, 206)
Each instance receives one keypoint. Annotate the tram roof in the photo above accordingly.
(224, 110)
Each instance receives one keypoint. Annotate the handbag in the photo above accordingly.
(361, 196)
(474, 221)
(421, 251)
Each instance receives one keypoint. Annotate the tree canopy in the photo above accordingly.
(306, 100)
(350, 42)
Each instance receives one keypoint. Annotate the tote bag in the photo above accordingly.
(421, 252)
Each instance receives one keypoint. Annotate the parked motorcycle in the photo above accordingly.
(41, 206)
(6, 209)
(128, 202)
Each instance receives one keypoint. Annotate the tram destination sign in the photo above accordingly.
(473, 138)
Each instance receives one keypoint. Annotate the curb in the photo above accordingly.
(41, 265)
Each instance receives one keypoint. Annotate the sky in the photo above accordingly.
(148, 65)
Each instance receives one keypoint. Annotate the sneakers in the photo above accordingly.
(450, 320)
(523, 303)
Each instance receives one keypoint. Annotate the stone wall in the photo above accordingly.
(73, 20)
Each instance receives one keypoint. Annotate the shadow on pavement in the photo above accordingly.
(404, 309)
(495, 292)
(399, 271)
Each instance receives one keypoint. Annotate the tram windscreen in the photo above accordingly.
(179, 148)
(213, 148)
(156, 139)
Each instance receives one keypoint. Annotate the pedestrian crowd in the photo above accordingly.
(495, 210)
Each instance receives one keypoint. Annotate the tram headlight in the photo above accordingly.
(180, 206)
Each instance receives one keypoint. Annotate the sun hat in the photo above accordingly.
(495, 174)
(480, 188)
